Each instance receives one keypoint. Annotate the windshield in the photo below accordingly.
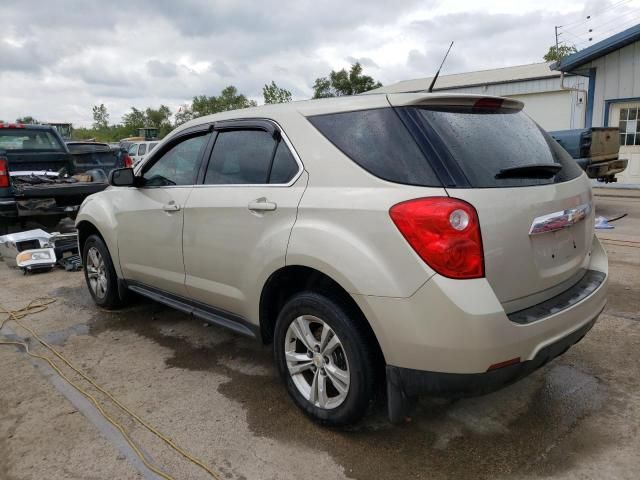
(499, 148)
(20, 139)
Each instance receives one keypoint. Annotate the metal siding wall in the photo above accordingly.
(618, 76)
(636, 70)
(625, 81)
(551, 110)
(549, 105)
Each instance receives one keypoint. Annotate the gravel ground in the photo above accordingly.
(217, 395)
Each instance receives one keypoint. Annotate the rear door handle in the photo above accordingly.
(262, 205)
(171, 207)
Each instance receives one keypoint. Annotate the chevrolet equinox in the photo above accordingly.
(428, 243)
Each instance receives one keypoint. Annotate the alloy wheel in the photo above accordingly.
(96, 273)
(317, 362)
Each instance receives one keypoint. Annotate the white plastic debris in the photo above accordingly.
(603, 224)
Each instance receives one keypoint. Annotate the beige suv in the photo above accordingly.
(438, 244)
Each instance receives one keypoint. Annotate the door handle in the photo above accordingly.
(262, 205)
(171, 207)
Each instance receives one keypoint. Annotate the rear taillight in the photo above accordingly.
(488, 103)
(4, 173)
(128, 163)
(444, 232)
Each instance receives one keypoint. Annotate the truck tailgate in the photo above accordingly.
(604, 143)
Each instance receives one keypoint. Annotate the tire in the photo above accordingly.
(97, 261)
(354, 353)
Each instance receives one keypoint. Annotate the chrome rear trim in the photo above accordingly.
(559, 220)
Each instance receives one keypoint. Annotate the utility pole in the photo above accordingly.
(556, 27)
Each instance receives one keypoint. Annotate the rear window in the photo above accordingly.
(484, 144)
(378, 141)
(20, 139)
(454, 147)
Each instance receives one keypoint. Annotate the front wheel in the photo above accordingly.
(324, 359)
(99, 273)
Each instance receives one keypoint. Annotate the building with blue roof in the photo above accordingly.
(613, 69)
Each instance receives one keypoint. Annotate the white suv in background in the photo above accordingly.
(138, 150)
(442, 244)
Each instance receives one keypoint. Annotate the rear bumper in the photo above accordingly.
(8, 208)
(605, 169)
(415, 382)
(460, 326)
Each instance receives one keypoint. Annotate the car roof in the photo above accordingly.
(344, 104)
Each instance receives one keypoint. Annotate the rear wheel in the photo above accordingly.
(99, 273)
(324, 360)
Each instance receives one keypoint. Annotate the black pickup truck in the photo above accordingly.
(42, 181)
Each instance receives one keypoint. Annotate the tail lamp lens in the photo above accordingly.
(444, 232)
(128, 163)
(4, 173)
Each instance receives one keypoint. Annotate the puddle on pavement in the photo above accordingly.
(515, 430)
(76, 296)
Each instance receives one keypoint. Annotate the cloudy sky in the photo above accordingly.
(60, 57)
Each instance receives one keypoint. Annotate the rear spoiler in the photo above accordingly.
(448, 100)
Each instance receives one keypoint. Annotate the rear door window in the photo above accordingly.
(143, 149)
(485, 143)
(284, 166)
(241, 157)
(378, 141)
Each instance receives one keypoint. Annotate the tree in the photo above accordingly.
(27, 120)
(229, 99)
(160, 118)
(344, 83)
(134, 120)
(557, 53)
(100, 116)
(274, 94)
(183, 115)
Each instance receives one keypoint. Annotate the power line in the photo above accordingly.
(597, 30)
(608, 22)
(622, 2)
(619, 28)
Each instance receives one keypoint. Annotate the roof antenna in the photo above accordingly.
(433, 82)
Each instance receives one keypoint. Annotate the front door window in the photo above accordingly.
(178, 165)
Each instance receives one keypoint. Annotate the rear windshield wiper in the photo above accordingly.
(532, 170)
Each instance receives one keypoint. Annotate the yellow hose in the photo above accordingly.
(40, 304)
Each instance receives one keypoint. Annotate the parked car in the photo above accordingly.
(138, 150)
(443, 244)
(595, 149)
(38, 181)
(96, 155)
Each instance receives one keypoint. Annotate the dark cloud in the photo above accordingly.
(364, 61)
(161, 69)
(147, 52)
(221, 68)
(22, 57)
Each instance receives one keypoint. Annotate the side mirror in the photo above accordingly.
(122, 177)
